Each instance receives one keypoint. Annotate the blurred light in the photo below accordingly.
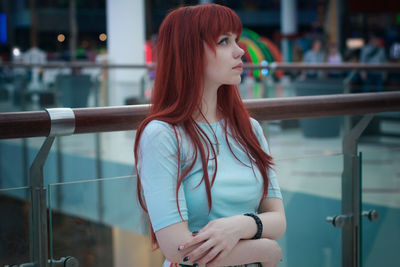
(354, 43)
(16, 52)
(61, 37)
(264, 71)
(148, 53)
(103, 37)
(3, 28)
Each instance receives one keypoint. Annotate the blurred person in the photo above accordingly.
(34, 55)
(314, 56)
(203, 165)
(334, 57)
(373, 53)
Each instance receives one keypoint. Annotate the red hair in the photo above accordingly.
(178, 90)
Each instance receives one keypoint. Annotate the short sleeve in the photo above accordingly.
(157, 167)
(273, 187)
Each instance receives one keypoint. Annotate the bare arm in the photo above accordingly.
(244, 251)
(272, 216)
(220, 236)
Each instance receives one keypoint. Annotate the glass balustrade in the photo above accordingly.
(96, 220)
(311, 188)
(380, 235)
(15, 212)
(99, 223)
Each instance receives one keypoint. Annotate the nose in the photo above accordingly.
(238, 52)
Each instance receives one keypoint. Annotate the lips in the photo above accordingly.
(238, 66)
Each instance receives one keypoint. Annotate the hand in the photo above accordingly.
(217, 239)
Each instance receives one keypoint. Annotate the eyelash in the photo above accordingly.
(224, 39)
(227, 39)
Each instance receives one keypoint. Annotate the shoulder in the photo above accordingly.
(255, 125)
(259, 132)
(158, 132)
(156, 126)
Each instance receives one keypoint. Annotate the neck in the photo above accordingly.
(209, 106)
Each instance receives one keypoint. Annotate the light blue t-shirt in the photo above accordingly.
(237, 188)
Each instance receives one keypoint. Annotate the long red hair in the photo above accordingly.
(178, 90)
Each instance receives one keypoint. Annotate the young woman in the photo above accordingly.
(202, 163)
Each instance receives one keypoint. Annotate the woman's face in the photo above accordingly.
(225, 66)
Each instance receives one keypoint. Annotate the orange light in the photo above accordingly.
(61, 37)
(103, 37)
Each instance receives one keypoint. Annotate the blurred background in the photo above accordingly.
(93, 53)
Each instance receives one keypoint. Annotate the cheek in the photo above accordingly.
(213, 69)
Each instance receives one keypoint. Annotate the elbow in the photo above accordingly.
(172, 258)
(172, 255)
(169, 249)
(280, 229)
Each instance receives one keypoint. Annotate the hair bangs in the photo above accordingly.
(218, 20)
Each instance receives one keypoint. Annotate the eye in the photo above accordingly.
(223, 41)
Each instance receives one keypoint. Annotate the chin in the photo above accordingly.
(237, 81)
(234, 81)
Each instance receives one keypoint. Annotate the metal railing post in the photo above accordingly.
(39, 235)
(351, 195)
(62, 123)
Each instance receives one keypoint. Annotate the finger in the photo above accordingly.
(201, 250)
(194, 233)
(198, 238)
(209, 256)
(218, 258)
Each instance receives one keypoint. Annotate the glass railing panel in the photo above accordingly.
(15, 210)
(298, 138)
(71, 158)
(311, 188)
(16, 157)
(380, 192)
(382, 131)
(309, 169)
(99, 223)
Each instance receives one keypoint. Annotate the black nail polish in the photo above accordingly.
(195, 265)
(195, 232)
(186, 258)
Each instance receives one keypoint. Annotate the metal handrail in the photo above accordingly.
(297, 66)
(121, 118)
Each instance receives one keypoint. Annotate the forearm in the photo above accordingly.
(274, 225)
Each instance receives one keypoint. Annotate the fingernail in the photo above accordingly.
(195, 233)
(186, 258)
(195, 265)
(180, 247)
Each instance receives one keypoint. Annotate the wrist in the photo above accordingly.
(246, 227)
